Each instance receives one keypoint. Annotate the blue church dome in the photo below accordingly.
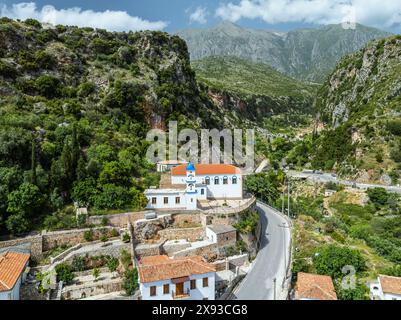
(190, 167)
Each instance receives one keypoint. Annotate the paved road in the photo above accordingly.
(271, 259)
(326, 177)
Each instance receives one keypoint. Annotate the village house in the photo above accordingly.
(223, 235)
(314, 287)
(164, 278)
(13, 271)
(192, 183)
(386, 288)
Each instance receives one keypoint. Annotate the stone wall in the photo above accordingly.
(93, 289)
(187, 219)
(118, 220)
(209, 252)
(192, 234)
(227, 239)
(32, 244)
(171, 247)
(46, 241)
(233, 262)
(145, 250)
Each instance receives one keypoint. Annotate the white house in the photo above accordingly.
(386, 288)
(190, 183)
(189, 278)
(13, 270)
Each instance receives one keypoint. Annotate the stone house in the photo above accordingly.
(223, 235)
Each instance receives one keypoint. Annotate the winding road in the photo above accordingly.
(272, 259)
(326, 177)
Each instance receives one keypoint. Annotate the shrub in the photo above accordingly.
(115, 233)
(48, 86)
(125, 258)
(64, 273)
(88, 235)
(96, 273)
(104, 238)
(112, 264)
(104, 222)
(33, 23)
(78, 264)
(7, 71)
(130, 282)
(378, 196)
(394, 127)
(126, 237)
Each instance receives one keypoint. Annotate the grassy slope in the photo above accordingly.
(248, 78)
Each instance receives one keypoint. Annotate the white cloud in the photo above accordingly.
(378, 13)
(199, 15)
(110, 20)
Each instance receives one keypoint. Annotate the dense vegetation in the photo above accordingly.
(75, 107)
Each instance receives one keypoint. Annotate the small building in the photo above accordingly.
(386, 288)
(13, 271)
(164, 278)
(329, 192)
(314, 287)
(223, 235)
(167, 165)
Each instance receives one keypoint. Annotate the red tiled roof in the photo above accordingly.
(390, 284)
(158, 268)
(313, 286)
(206, 169)
(12, 264)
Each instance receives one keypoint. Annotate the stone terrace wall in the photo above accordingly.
(70, 237)
(192, 234)
(146, 250)
(208, 251)
(118, 220)
(46, 241)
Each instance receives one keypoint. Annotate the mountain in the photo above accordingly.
(359, 114)
(306, 54)
(261, 90)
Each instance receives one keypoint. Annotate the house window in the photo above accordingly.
(193, 284)
(205, 282)
(234, 180)
(154, 200)
(202, 192)
(165, 200)
(166, 289)
(153, 291)
(177, 200)
(225, 180)
(207, 181)
(216, 180)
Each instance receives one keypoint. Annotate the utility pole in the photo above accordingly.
(274, 285)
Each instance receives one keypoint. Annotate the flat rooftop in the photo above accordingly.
(221, 228)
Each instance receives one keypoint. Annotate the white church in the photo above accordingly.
(190, 183)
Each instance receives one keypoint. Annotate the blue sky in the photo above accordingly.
(173, 15)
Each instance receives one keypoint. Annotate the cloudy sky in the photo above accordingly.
(172, 15)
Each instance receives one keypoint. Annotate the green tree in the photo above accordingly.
(130, 282)
(378, 196)
(330, 260)
(33, 162)
(26, 200)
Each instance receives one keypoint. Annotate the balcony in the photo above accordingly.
(181, 295)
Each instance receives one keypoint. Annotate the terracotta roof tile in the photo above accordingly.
(207, 169)
(313, 286)
(12, 264)
(158, 268)
(390, 284)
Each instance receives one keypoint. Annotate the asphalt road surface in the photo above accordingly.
(326, 177)
(271, 260)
